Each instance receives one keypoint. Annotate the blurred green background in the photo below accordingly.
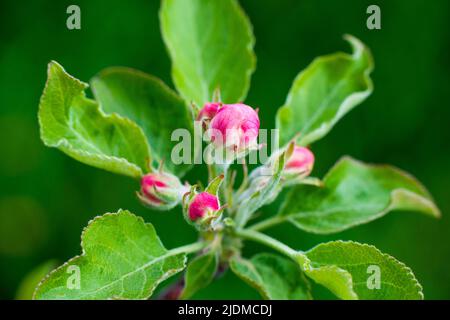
(46, 198)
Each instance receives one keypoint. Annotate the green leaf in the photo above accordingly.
(263, 190)
(324, 92)
(214, 186)
(354, 193)
(346, 268)
(74, 124)
(211, 46)
(199, 273)
(147, 101)
(275, 277)
(122, 258)
(32, 279)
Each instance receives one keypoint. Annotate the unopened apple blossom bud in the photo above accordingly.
(300, 163)
(208, 111)
(161, 190)
(203, 205)
(235, 127)
(203, 209)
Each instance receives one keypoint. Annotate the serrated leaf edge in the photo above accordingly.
(391, 205)
(85, 229)
(261, 290)
(161, 84)
(63, 142)
(404, 267)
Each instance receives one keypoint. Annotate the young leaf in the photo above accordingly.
(211, 46)
(147, 101)
(354, 193)
(199, 273)
(359, 271)
(324, 92)
(122, 258)
(214, 186)
(32, 279)
(275, 277)
(74, 124)
(265, 190)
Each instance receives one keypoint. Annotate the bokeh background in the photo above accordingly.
(46, 198)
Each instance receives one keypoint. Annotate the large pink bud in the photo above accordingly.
(203, 205)
(235, 126)
(161, 190)
(300, 163)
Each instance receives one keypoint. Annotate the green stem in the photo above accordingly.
(189, 248)
(268, 241)
(244, 182)
(225, 180)
(229, 189)
(268, 223)
(222, 169)
(211, 172)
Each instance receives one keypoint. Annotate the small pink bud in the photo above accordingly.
(161, 190)
(235, 126)
(300, 163)
(208, 111)
(202, 205)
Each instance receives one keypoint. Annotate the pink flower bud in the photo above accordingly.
(235, 126)
(300, 163)
(161, 190)
(203, 205)
(208, 111)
